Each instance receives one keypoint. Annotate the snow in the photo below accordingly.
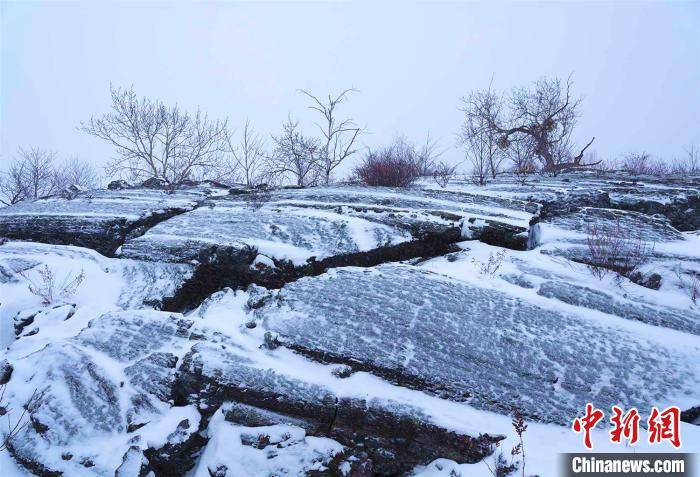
(287, 450)
(108, 284)
(155, 434)
(110, 369)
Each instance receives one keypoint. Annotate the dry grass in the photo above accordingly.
(46, 286)
(611, 250)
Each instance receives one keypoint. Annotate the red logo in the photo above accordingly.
(665, 426)
(588, 422)
(661, 425)
(626, 426)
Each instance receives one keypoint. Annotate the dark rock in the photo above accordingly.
(691, 416)
(71, 192)
(682, 212)
(219, 471)
(651, 281)
(5, 372)
(155, 183)
(342, 371)
(179, 454)
(118, 184)
(495, 233)
(230, 267)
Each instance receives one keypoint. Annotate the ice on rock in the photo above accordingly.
(464, 342)
(299, 224)
(131, 464)
(635, 225)
(30, 321)
(386, 369)
(155, 374)
(107, 281)
(436, 203)
(11, 268)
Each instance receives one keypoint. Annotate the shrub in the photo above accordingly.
(644, 164)
(443, 174)
(689, 164)
(390, 167)
(611, 250)
(491, 266)
(13, 428)
(501, 466)
(48, 289)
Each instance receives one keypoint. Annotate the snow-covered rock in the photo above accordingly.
(464, 342)
(292, 347)
(99, 219)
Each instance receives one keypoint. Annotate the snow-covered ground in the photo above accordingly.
(408, 367)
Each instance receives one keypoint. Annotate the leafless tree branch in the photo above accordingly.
(339, 135)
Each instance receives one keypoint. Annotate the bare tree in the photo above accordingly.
(248, 156)
(30, 176)
(12, 188)
(426, 157)
(519, 153)
(688, 164)
(478, 150)
(153, 140)
(480, 108)
(546, 113)
(692, 159)
(76, 172)
(339, 134)
(295, 157)
(478, 138)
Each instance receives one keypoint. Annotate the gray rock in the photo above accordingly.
(635, 225)
(154, 374)
(99, 219)
(129, 335)
(479, 345)
(597, 300)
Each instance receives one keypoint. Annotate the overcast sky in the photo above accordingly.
(637, 65)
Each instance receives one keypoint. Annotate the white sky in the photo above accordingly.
(637, 65)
